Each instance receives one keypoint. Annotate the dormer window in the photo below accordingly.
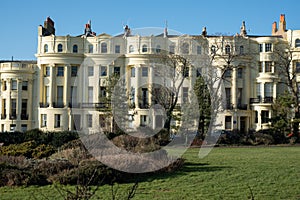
(45, 48)
(131, 49)
(144, 48)
(75, 48)
(59, 48)
(227, 49)
(103, 47)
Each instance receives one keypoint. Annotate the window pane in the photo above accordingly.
(60, 71)
(144, 71)
(132, 72)
(59, 48)
(43, 120)
(144, 48)
(47, 71)
(131, 49)
(117, 49)
(57, 121)
(103, 47)
(240, 73)
(14, 85)
(264, 116)
(268, 89)
(91, 48)
(25, 85)
(117, 70)
(75, 48)
(90, 71)
(74, 70)
(103, 71)
(60, 95)
(227, 49)
(268, 66)
(45, 48)
(227, 122)
(268, 47)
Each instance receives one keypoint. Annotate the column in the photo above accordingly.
(30, 107)
(19, 99)
(150, 85)
(8, 100)
(41, 84)
(67, 78)
(234, 87)
(51, 85)
(137, 84)
(234, 97)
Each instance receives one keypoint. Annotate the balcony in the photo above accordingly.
(58, 105)
(98, 106)
(13, 116)
(229, 106)
(261, 100)
(24, 116)
(144, 105)
(74, 105)
(44, 105)
(242, 106)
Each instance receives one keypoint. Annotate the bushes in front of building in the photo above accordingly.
(55, 139)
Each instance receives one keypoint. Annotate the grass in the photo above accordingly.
(226, 173)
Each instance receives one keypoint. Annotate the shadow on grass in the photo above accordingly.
(188, 167)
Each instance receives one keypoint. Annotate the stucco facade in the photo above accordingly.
(67, 86)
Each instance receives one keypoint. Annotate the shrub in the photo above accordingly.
(24, 149)
(43, 151)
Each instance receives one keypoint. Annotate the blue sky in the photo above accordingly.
(19, 19)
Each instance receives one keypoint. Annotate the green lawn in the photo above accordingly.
(226, 173)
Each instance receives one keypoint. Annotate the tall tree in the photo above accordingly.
(284, 56)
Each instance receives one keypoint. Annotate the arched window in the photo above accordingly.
(213, 49)
(227, 49)
(297, 43)
(59, 48)
(75, 48)
(131, 49)
(144, 48)
(103, 47)
(45, 48)
(185, 48)
(158, 49)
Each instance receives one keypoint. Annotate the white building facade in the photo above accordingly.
(67, 87)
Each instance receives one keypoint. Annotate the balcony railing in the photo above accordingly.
(261, 100)
(12, 116)
(44, 105)
(242, 106)
(58, 105)
(144, 105)
(24, 116)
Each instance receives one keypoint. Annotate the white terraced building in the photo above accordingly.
(55, 101)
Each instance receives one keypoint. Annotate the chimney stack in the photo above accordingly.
(282, 23)
(281, 30)
(274, 28)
